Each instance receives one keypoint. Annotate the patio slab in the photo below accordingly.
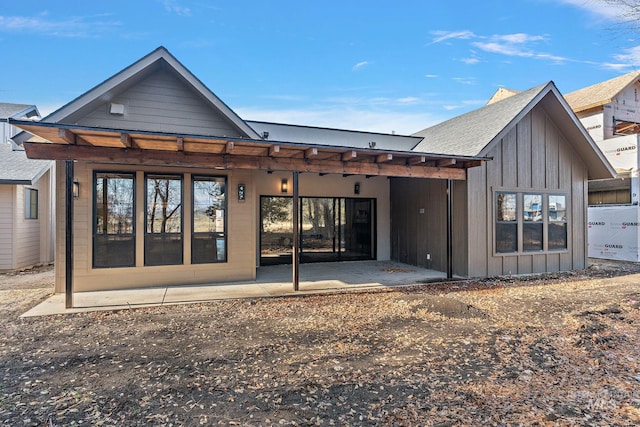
(271, 281)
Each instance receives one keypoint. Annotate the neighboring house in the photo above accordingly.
(26, 187)
(610, 111)
(175, 188)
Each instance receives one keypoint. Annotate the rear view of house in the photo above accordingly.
(173, 187)
(26, 205)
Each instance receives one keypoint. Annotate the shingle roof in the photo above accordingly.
(16, 168)
(9, 110)
(599, 93)
(468, 134)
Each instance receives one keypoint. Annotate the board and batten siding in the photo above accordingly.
(241, 241)
(418, 222)
(532, 157)
(7, 217)
(161, 102)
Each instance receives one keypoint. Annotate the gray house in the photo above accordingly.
(176, 188)
(27, 231)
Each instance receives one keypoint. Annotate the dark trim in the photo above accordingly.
(68, 265)
(295, 259)
(225, 233)
(94, 212)
(449, 230)
(146, 224)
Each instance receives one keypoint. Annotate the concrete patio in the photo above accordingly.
(271, 281)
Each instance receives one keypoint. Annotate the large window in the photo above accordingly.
(506, 223)
(532, 223)
(557, 222)
(208, 239)
(163, 233)
(31, 203)
(525, 220)
(113, 225)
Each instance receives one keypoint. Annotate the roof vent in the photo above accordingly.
(372, 144)
(116, 109)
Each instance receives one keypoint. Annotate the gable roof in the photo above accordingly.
(16, 168)
(500, 94)
(134, 73)
(600, 93)
(472, 133)
(17, 111)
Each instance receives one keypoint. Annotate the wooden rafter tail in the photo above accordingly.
(230, 146)
(67, 136)
(349, 155)
(126, 140)
(383, 158)
(274, 150)
(416, 160)
(443, 163)
(180, 144)
(310, 152)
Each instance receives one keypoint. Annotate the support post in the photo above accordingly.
(295, 256)
(68, 265)
(449, 230)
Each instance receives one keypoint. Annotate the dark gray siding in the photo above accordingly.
(533, 156)
(418, 222)
(163, 103)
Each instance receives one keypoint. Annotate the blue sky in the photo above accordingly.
(378, 66)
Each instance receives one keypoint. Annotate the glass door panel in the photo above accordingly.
(276, 230)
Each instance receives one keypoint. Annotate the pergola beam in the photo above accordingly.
(229, 161)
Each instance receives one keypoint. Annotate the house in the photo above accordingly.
(26, 206)
(610, 111)
(173, 187)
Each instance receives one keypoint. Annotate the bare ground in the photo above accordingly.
(561, 349)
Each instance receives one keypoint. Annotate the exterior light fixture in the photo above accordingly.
(76, 189)
(284, 185)
(356, 188)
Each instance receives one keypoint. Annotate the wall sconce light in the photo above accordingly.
(76, 189)
(284, 185)
(242, 192)
(356, 188)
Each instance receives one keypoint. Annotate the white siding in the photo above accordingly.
(6, 226)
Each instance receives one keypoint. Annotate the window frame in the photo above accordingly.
(95, 218)
(224, 234)
(520, 193)
(31, 194)
(146, 234)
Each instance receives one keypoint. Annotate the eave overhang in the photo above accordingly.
(106, 145)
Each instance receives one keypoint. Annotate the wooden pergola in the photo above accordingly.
(57, 141)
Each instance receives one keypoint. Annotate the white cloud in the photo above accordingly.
(630, 57)
(602, 9)
(441, 36)
(464, 80)
(172, 6)
(360, 65)
(79, 26)
(470, 60)
(431, 76)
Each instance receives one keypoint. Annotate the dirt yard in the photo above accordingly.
(551, 350)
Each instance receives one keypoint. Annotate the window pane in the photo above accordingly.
(208, 204)
(506, 223)
(163, 249)
(532, 208)
(532, 236)
(164, 204)
(557, 208)
(557, 235)
(208, 241)
(506, 237)
(114, 203)
(31, 203)
(114, 240)
(506, 207)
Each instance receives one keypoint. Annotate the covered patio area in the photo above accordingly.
(271, 281)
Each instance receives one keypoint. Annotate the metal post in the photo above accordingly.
(295, 258)
(449, 231)
(68, 266)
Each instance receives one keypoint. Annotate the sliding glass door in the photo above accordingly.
(331, 229)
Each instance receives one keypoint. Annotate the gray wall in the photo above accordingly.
(162, 103)
(534, 156)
